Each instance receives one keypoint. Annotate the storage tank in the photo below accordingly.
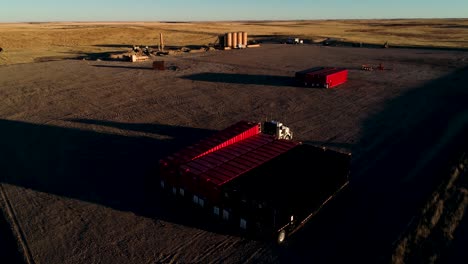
(234, 40)
(244, 39)
(239, 39)
(229, 39)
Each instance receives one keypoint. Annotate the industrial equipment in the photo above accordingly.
(326, 77)
(254, 177)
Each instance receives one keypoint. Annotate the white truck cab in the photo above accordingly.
(277, 129)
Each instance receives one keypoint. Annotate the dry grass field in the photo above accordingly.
(27, 42)
(80, 140)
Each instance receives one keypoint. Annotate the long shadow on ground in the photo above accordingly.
(112, 170)
(243, 79)
(9, 252)
(107, 169)
(404, 152)
(124, 67)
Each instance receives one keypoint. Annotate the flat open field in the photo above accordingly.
(79, 139)
(28, 42)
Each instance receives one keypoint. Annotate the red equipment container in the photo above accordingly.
(322, 77)
(300, 75)
(334, 78)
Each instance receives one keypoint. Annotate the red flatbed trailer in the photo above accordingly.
(212, 181)
(169, 166)
(191, 171)
(255, 179)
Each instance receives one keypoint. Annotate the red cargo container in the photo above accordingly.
(322, 77)
(334, 78)
(300, 75)
(314, 79)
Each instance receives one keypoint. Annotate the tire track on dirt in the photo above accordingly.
(176, 251)
(9, 247)
(216, 247)
(254, 256)
(16, 227)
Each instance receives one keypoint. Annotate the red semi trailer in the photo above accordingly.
(326, 77)
(254, 176)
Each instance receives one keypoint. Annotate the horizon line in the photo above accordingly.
(215, 21)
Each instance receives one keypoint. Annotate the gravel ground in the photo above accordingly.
(80, 138)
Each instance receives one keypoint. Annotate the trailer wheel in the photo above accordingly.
(282, 236)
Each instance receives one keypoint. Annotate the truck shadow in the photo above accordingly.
(8, 243)
(243, 79)
(395, 170)
(115, 171)
(101, 168)
(125, 67)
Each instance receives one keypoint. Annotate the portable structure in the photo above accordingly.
(250, 174)
(327, 77)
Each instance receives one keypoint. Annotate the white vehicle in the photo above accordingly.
(294, 41)
(277, 129)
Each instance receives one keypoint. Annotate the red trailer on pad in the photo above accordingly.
(256, 177)
(327, 77)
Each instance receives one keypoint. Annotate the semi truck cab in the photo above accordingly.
(277, 129)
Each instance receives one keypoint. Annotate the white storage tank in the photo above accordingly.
(244, 39)
(229, 39)
(234, 40)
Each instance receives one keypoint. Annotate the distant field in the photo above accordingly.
(27, 42)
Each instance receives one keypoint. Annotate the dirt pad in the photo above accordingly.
(79, 140)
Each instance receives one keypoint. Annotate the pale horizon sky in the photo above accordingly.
(218, 10)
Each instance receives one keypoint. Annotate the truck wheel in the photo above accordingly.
(282, 236)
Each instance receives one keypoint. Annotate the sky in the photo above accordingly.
(218, 10)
